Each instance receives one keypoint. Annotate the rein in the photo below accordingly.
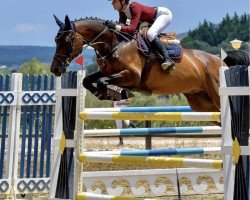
(68, 57)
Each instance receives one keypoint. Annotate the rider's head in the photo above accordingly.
(119, 4)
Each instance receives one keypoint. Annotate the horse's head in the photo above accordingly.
(68, 46)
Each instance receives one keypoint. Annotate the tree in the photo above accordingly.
(210, 37)
(34, 67)
(205, 32)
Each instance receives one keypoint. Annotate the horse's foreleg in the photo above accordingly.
(124, 78)
(89, 80)
(121, 79)
(100, 90)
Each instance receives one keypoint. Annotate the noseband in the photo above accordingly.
(67, 56)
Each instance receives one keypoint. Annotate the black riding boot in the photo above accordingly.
(160, 48)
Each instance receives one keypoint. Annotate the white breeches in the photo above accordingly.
(163, 19)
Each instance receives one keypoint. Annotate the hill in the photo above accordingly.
(14, 56)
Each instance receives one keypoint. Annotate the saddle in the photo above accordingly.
(170, 41)
(174, 50)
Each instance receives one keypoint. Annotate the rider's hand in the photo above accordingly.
(109, 24)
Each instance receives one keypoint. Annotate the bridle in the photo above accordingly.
(67, 58)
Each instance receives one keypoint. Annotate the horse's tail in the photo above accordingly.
(237, 57)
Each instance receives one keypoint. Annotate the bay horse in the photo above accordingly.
(122, 64)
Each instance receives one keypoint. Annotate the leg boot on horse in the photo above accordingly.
(161, 49)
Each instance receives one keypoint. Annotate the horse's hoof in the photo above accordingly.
(125, 94)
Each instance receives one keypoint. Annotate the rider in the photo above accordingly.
(160, 18)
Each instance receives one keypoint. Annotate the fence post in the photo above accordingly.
(148, 139)
(56, 159)
(79, 135)
(14, 129)
(228, 167)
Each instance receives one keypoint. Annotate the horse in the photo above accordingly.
(121, 63)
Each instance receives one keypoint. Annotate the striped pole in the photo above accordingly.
(165, 116)
(91, 196)
(152, 161)
(199, 130)
(159, 152)
(142, 109)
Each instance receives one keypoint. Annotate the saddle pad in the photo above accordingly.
(174, 51)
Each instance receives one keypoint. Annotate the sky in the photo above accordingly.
(31, 22)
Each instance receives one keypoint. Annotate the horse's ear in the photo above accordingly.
(59, 23)
(67, 23)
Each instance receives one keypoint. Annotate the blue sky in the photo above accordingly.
(31, 22)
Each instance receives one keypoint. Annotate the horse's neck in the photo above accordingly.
(94, 33)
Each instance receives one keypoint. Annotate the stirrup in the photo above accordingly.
(167, 64)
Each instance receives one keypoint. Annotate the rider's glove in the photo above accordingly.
(109, 24)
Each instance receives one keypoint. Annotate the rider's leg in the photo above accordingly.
(163, 19)
(158, 45)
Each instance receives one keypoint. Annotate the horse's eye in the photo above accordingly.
(67, 38)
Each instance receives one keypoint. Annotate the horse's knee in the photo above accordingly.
(86, 82)
(89, 80)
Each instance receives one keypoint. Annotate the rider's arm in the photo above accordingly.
(136, 14)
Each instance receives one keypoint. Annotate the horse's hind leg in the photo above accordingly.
(201, 102)
(212, 90)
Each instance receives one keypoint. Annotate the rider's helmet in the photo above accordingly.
(126, 1)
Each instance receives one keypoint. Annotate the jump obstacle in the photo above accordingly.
(65, 175)
(143, 157)
(150, 114)
(94, 156)
(163, 131)
(118, 157)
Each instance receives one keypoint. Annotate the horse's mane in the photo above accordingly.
(121, 35)
(237, 57)
(92, 19)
